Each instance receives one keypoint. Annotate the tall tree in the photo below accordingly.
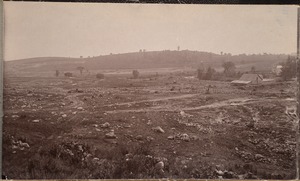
(288, 70)
(229, 68)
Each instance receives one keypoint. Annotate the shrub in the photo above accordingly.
(68, 74)
(135, 74)
(100, 76)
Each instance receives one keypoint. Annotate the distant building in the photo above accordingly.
(248, 79)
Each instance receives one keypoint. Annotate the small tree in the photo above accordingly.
(288, 70)
(200, 73)
(80, 69)
(253, 69)
(100, 76)
(135, 74)
(209, 73)
(57, 73)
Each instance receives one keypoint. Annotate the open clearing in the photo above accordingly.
(84, 127)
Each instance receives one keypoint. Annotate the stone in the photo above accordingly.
(80, 108)
(171, 137)
(149, 138)
(259, 156)
(36, 121)
(185, 137)
(158, 129)
(110, 135)
(160, 165)
(219, 172)
(139, 137)
(105, 125)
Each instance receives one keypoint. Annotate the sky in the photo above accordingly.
(43, 29)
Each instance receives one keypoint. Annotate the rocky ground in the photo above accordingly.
(165, 126)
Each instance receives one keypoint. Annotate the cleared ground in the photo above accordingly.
(151, 127)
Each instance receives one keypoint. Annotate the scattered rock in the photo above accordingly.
(110, 135)
(160, 165)
(185, 137)
(36, 121)
(149, 138)
(171, 137)
(80, 108)
(229, 175)
(139, 137)
(96, 159)
(127, 126)
(183, 114)
(158, 129)
(259, 157)
(149, 122)
(128, 156)
(105, 125)
(24, 144)
(219, 172)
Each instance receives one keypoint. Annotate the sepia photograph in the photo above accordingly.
(149, 91)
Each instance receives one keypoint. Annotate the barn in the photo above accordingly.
(248, 79)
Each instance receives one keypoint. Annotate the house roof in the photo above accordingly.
(250, 77)
(247, 79)
(240, 82)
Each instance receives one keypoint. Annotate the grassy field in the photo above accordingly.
(165, 126)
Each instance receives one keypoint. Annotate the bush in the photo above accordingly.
(289, 69)
(68, 74)
(100, 76)
(135, 74)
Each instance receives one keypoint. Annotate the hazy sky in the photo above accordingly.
(69, 29)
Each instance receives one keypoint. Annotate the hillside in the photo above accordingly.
(141, 60)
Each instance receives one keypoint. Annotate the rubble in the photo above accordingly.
(105, 125)
(158, 129)
(36, 121)
(110, 135)
(139, 137)
(171, 137)
(80, 108)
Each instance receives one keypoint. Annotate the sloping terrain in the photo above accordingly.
(46, 66)
(152, 127)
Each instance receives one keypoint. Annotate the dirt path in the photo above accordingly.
(230, 102)
(154, 100)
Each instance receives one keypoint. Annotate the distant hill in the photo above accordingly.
(141, 60)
